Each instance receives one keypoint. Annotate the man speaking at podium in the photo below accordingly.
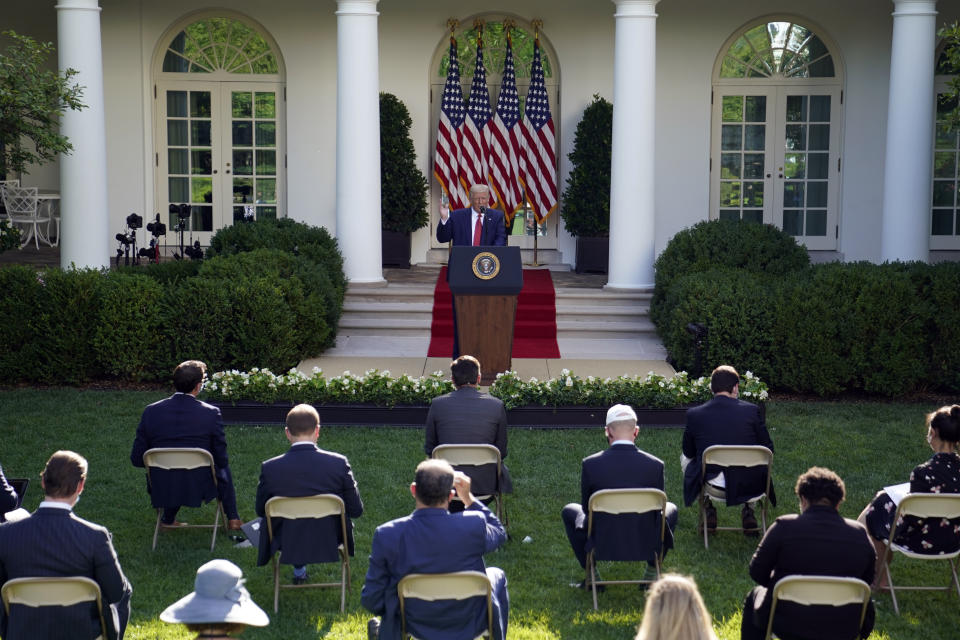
(473, 227)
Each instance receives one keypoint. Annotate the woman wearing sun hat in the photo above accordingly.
(220, 605)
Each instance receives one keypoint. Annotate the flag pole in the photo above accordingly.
(536, 24)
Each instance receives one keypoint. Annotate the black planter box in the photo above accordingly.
(593, 255)
(530, 417)
(395, 249)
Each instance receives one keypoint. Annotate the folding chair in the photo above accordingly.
(445, 586)
(23, 209)
(53, 592)
(924, 505)
(318, 506)
(820, 590)
(182, 460)
(467, 458)
(733, 456)
(617, 502)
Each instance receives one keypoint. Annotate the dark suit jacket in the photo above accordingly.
(181, 421)
(725, 420)
(470, 416)
(430, 541)
(816, 542)
(306, 470)
(627, 536)
(55, 542)
(459, 229)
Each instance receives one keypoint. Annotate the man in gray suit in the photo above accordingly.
(53, 542)
(470, 416)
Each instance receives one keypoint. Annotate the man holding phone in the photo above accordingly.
(433, 540)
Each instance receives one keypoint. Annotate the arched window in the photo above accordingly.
(219, 44)
(777, 50)
(776, 130)
(522, 34)
(219, 109)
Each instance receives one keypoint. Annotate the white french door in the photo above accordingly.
(220, 154)
(774, 159)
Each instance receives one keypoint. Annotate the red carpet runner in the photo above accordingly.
(535, 329)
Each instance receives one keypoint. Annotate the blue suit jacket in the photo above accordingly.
(306, 470)
(55, 542)
(459, 230)
(725, 420)
(627, 536)
(181, 421)
(8, 497)
(430, 541)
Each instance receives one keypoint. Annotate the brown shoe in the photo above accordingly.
(750, 526)
(172, 525)
(234, 525)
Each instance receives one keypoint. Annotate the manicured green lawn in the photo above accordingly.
(869, 445)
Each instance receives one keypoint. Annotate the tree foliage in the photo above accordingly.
(32, 99)
(950, 65)
(586, 200)
(403, 189)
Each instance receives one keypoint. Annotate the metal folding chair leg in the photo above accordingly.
(156, 530)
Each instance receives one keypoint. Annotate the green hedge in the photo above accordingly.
(250, 305)
(885, 329)
(760, 248)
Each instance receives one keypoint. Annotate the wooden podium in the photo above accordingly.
(485, 282)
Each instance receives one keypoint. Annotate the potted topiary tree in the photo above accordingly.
(403, 189)
(586, 200)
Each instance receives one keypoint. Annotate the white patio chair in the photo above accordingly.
(22, 208)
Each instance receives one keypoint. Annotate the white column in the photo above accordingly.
(358, 140)
(632, 170)
(908, 168)
(83, 172)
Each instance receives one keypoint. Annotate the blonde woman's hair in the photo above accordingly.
(675, 611)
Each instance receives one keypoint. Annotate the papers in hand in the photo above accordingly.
(896, 492)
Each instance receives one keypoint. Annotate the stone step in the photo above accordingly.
(359, 325)
(592, 297)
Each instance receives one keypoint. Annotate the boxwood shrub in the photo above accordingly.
(887, 329)
(251, 304)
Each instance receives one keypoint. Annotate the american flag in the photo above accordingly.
(504, 143)
(446, 164)
(538, 160)
(475, 141)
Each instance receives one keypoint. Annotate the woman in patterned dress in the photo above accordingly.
(939, 474)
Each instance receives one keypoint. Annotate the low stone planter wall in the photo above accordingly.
(531, 417)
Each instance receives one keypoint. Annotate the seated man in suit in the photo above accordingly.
(433, 540)
(725, 420)
(476, 226)
(470, 416)
(306, 470)
(183, 421)
(53, 542)
(621, 466)
(817, 542)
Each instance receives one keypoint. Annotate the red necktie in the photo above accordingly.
(477, 229)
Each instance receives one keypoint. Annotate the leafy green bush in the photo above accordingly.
(285, 234)
(65, 319)
(20, 345)
(403, 189)
(309, 296)
(943, 331)
(586, 200)
(166, 272)
(129, 338)
(724, 243)
(735, 306)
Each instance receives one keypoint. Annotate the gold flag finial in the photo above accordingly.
(452, 24)
(509, 25)
(478, 24)
(537, 24)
